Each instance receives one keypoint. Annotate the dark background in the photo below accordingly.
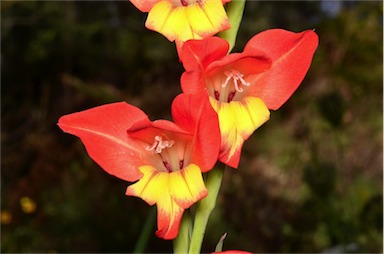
(310, 179)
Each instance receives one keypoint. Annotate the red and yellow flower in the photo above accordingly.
(165, 158)
(242, 87)
(182, 20)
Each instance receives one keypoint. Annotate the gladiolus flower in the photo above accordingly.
(185, 19)
(242, 87)
(165, 158)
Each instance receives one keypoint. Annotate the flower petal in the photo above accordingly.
(144, 6)
(238, 120)
(170, 21)
(196, 55)
(103, 132)
(153, 188)
(207, 18)
(171, 192)
(291, 55)
(182, 23)
(187, 186)
(195, 114)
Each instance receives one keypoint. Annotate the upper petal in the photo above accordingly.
(103, 132)
(238, 120)
(195, 114)
(291, 55)
(196, 55)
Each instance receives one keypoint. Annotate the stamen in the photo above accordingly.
(159, 144)
(229, 76)
(236, 76)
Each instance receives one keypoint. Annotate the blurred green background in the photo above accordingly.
(310, 179)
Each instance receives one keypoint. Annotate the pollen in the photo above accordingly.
(237, 77)
(159, 144)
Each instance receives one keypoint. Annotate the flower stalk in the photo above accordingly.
(204, 208)
(182, 241)
(234, 11)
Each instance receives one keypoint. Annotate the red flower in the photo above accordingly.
(243, 86)
(165, 158)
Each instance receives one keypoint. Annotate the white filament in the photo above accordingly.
(159, 144)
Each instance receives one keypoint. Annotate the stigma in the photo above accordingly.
(159, 144)
(237, 77)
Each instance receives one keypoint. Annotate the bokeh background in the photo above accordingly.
(310, 179)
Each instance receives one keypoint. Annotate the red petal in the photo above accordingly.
(146, 130)
(291, 55)
(195, 114)
(168, 226)
(196, 55)
(103, 131)
(246, 64)
(144, 5)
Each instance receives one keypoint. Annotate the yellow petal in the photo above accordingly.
(169, 20)
(171, 192)
(238, 120)
(147, 187)
(207, 18)
(153, 188)
(187, 186)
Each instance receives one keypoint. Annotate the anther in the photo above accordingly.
(236, 76)
(159, 144)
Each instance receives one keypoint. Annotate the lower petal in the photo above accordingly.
(187, 186)
(238, 120)
(207, 18)
(169, 215)
(170, 21)
(171, 192)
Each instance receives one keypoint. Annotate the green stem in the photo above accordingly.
(181, 242)
(146, 232)
(204, 209)
(234, 10)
